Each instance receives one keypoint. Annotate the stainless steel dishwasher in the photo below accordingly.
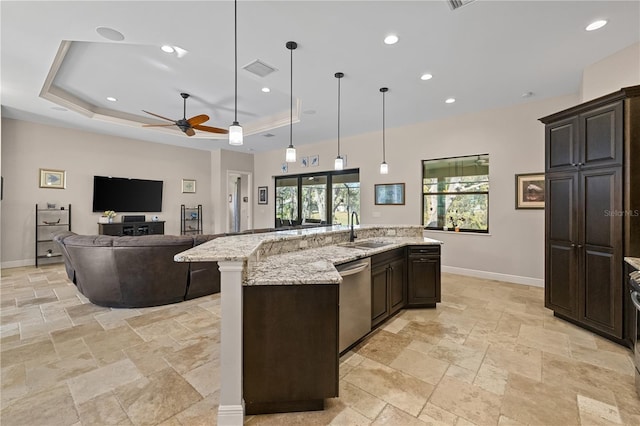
(355, 301)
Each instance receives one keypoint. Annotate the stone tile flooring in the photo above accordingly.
(489, 354)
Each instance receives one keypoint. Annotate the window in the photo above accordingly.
(319, 198)
(455, 193)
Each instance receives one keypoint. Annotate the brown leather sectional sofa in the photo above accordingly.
(134, 272)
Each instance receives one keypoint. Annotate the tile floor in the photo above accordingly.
(489, 354)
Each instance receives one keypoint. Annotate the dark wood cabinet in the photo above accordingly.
(131, 228)
(591, 196)
(423, 284)
(290, 347)
(388, 285)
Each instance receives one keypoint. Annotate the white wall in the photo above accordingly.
(27, 147)
(222, 163)
(514, 139)
(622, 69)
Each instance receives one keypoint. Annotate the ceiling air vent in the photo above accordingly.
(259, 68)
(455, 4)
(268, 135)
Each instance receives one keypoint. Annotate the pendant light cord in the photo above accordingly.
(291, 104)
(339, 78)
(383, 130)
(235, 36)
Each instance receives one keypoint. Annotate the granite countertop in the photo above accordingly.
(316, 266)
(633, 261)
(302, 256)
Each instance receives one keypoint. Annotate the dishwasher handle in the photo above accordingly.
(354, 270)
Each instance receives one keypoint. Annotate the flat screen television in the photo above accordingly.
(126, 195)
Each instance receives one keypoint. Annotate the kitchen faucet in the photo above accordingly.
(352, 234)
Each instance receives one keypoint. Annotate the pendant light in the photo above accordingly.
(384, 167)
(291, 151)
(339, 163)
(235, 130)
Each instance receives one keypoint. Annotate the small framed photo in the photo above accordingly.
(189, 186)
(284, 167)
(530, 190)
(304, 162)
(314, 160)
(52, 179)
(389, 194)
(263, 195)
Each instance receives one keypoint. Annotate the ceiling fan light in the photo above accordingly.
(338, 164)
(290, 155)
(384, 168)
(235, 134)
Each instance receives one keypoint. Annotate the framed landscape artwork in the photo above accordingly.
(52, 179)
(530, 191)
(389, 193)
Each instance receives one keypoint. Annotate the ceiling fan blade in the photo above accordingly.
(158, 125)
(159, 116)
(198, 119)
(190, 132)
(211, 129)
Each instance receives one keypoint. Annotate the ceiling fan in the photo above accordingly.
(187, 126)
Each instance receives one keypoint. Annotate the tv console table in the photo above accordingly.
(131, 228)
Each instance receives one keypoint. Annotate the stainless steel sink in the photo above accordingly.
(365, 244)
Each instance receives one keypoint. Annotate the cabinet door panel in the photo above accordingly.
(601, 133)
(397, 285)
(561, 149)
(379, 295)
(601, 305)
(602, 207)
(560, 285)
(424, 280)
(561, 211)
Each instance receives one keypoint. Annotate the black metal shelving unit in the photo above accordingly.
(191, 220)
(50, 221)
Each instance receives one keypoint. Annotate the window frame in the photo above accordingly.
(422, 202)
(329, 186)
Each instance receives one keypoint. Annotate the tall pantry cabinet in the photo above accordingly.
(592, 216)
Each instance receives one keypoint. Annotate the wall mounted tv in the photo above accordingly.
(126, 195)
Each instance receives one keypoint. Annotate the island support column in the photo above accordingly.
(231, 408)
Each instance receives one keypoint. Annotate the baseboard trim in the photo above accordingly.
(17, 263)
(231, 415)
(516, 279)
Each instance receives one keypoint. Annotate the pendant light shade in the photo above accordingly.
(290, 156)
(235, 130)
(384, 167)
(339, 162)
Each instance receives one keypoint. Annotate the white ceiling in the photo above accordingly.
(486, 55)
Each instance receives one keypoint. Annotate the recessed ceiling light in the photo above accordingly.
(266, 89)
(111, 99)
(426, 76)
(450, 100)
(596, 25)
(110, 33)
(391, 39)
(168, 49)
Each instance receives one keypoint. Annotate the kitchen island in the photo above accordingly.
(279, 300)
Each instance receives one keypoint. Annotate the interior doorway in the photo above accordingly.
(239, 212)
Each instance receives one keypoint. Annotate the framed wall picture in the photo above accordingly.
(52, 179)
(304, 161)
(530, 191)
(189, 186)
(263, 195)
(389, 194)
(314, 160)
